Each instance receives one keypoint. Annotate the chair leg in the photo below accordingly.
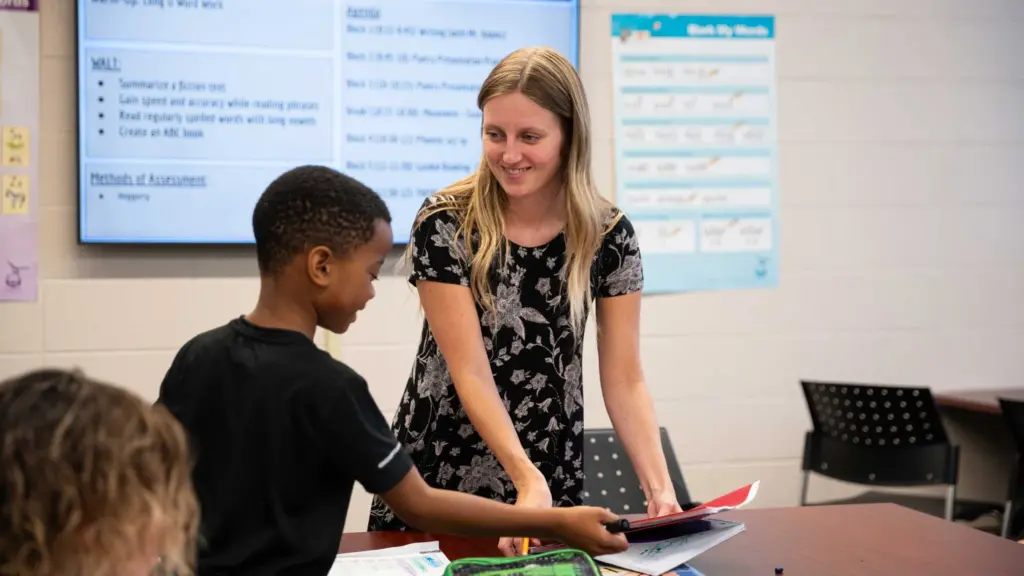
(803, 488)
(1007, 519)
(950, 501)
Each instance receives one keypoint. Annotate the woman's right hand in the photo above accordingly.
(533, 494)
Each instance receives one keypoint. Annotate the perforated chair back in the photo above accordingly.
(1013, 513)
(880, 435)
(610, 480)
(1013, 414)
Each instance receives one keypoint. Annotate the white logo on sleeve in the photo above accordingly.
(389, 457)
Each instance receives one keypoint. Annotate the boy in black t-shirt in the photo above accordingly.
(281, 430)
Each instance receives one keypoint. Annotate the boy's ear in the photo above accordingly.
(318, 263)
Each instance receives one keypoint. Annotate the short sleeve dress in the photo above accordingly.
(536, 360)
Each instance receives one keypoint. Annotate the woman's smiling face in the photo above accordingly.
(523, 145)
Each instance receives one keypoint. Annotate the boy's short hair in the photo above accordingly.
(91, 478)
(313, 206)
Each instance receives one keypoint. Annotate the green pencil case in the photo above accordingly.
(562, 562)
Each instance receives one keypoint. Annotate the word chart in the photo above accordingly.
(696, 167)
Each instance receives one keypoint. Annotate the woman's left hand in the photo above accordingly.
(662, 504)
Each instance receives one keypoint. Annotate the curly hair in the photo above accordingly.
(312, 206)
(91, 478)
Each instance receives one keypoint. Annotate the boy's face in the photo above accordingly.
(347, 282)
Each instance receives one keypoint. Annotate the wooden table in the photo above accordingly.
(814, 540)
(987, 449)
(982, 401)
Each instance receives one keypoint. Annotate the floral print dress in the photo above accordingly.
(536, 360)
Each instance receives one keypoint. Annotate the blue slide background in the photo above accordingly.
(189, 108)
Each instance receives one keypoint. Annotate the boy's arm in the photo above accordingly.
(381, 464)
(448, 511)
(362, 443)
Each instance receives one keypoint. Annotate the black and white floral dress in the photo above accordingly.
(536, 360)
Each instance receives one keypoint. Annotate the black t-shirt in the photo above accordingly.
(280, 431)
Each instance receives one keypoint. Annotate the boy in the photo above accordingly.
(282, 430)
(93, 480)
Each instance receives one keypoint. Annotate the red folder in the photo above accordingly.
(673, 525)
(724, 503)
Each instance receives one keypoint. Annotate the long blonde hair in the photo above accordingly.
(548, 79)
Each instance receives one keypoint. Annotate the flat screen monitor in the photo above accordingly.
(187, 109)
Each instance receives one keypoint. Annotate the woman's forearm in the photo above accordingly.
(488, 414)
(632, 414)
(453, 320)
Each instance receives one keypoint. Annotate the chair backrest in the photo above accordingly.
(870, 434)
(1013, 414)
(610, 480)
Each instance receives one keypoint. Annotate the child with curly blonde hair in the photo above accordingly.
(93, 481)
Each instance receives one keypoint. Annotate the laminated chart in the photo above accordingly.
(695, 145)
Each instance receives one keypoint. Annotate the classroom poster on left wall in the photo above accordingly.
(19, 146)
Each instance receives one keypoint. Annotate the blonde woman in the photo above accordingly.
(507, 263)
(93, 480)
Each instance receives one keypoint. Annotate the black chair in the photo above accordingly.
(880, 436)
(610, 480)
(1013, 511)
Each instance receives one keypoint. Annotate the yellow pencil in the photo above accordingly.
(526, 546)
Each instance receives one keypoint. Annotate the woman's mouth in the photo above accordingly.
(515, 172)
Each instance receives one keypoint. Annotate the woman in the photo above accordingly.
(507, 263)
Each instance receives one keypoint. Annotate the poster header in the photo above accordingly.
(694, 26)
(20, 5)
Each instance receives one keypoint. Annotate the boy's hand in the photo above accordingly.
(582, 527)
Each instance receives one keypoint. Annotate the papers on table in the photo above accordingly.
(663, 556)
(659, 545)
(656, 545)
(419, 559)
(683, 570)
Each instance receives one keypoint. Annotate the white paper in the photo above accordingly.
(663, 556)
(419, 559)
(414, 548)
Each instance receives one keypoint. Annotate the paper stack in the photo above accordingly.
(664, 545)
(419, 559)
(660, 545)
(683, 570)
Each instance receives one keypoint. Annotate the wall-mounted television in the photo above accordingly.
(187, 109)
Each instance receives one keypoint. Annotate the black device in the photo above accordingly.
(620, 525)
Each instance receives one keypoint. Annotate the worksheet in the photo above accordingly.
(420, 559)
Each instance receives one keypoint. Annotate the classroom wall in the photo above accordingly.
(901, 160)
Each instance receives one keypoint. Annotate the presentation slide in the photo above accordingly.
(189, 108)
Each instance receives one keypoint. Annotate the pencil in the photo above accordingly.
(526, 546)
